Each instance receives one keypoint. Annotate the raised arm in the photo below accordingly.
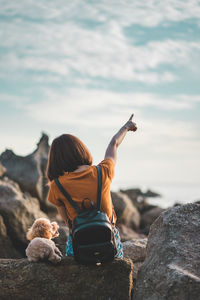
(111, 151)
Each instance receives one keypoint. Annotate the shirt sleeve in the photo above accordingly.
(108, 167)
(52, 198)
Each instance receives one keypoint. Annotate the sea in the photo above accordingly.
(170, 194)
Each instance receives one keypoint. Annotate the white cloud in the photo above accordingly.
(64, 46)
(81, 102)
(149, 13)
(104, 53)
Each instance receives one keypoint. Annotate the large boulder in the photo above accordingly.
(29, 171)
(61, 240)
(7, 249)
(138, 199)
(148, 218)
(2, 170)
(135, 250)
(171, 269)
(19, 210)
(23, 280)
(127, 233)
(127, 213)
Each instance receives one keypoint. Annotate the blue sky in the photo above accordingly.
(84, 66)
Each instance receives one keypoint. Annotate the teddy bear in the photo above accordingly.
(41, 246)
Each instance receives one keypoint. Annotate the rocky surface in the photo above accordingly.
(171, 269)
(148, 218)
(7, 248)
(61, 240)
(127, 213)
(127, 233)
(21, 279)
(19, 210)
(29, 171)
(135, 250)
(2, 170)
(139, 199)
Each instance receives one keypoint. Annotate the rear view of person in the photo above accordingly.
(70, 163)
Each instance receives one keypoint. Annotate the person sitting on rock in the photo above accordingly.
(71, 162)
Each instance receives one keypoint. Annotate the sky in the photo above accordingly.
(83, 67)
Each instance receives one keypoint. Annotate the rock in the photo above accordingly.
(2, 170)
(127, 213)
(136, 268)
(171, 269)
(135, 249)
(148, 218)
(127, 233)
(18, 211)
(29, 171)
(61, 240)
(66, 280)
(7, 250)
(138, 199)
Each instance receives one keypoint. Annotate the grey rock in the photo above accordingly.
(2, 170)
(148, 218)
(135, 249)
(171, 269)
(127, 213)
(7, 249)
(29, 171)
(138, 199)
(19, 210)
(127, 233)
(21, 279)
(61, 240)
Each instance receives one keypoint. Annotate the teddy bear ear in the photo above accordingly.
(54, 225)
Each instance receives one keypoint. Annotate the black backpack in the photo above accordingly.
(92, 232)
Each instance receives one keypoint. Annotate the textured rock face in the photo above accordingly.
(171, 269)
(29, 171)
(127, 234)
(138, 199)
(6, 247)
(148, 218)
(66, 280)
(135, 250)
(18, 210)
(127, 213)
(2, 170)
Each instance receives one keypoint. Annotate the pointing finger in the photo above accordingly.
(131, 117)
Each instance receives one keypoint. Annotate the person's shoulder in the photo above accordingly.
(108, 167)
(107, 161)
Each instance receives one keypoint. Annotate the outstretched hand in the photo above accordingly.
(130, 125)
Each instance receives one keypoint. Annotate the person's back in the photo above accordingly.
(82, 185)
(71, 162)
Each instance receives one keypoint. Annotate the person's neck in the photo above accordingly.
(81, 168)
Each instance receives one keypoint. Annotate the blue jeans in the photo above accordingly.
(119, 254)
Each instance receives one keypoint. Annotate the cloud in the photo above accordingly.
(98, 108)
(150, 13)
(103, 53)
(54, 38)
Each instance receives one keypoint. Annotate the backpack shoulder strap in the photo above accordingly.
(65, 193)
(99, 187)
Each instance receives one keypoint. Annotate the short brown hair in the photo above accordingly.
(66, 153)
